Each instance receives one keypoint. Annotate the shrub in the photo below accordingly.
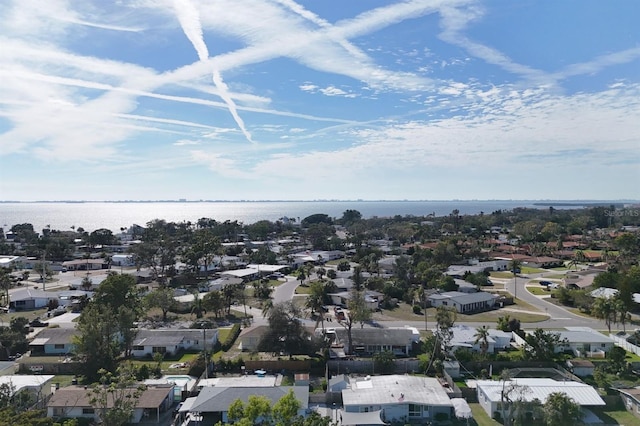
(233, 335)
(417, 310)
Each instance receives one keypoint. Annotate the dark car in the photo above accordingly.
(37, 323)
(545, 283)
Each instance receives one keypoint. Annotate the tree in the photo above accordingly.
(163, 299)
(358, 312)
(482, 337)
(560, 410)
(115, 397)
(315, 300)
(540, 345)
(286, 333)
(97, 342)
(383, 362)
(286, 409)
(198, 306)
(512, 398)
(445, 319)
(617, 360)
(214, 302)
(603, 308)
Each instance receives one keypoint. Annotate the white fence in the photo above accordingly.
(622, 342)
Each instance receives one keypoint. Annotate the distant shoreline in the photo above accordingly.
(548, 203)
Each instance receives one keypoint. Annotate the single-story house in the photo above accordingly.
(371, 298)
(465, 337)
(148, 342)
(74, 402)
(26, 299)
(54, 341)
(464, 302)
(584, 343)
(212, 404)
(37, 386)
(369, 341)
(631, 400)
(581, 367)
(122, 260)
(543, 262)
(580, 279)
(250, 337)
(459, 271)
(490, 392)
(86, 264)
(246, 274)
(395, 398)
(78, 283)
(222, 282)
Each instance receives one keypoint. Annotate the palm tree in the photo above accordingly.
(482, 337)
(198, 305)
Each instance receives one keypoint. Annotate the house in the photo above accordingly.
(459, 271)
(464, 302)
(395, 398)
(122, 260)
(36, 386)
(631, 400)
(584, 342)
(580, 279)
(581, 367)
(369, 341)
(170, 342)
(371, 298)
(212, 403)
(86, 264)
(250, 337)
(27, 299)
(222, 282)
(543, 262)
(490, 392)
(74, 402)
(54, 341)
(88, 282)
(465, 337)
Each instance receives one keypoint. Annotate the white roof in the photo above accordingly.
(462, 409)
(348, 418)
(241, 273)
(266, 268)
(20, 381)
(541, 388)
(395, 389)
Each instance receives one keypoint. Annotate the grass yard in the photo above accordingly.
(405, 312)
(529, 270)
(303, 290)
(481, 417)
(501, 274)
(538, 291)
(616, 417)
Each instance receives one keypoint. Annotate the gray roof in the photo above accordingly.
(54, 336)
(215, 399)
(395, 389)
(583, 337)
(376, 336)
(157, 338)
(464, 298)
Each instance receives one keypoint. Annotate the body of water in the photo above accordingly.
(113, 216)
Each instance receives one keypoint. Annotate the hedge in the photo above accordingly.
(233, 335)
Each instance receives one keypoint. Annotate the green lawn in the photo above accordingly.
(481, 417)
(529, 270)
(501, 274)
(538, 291)
(303, 290)
(616, 417)
(405, 312)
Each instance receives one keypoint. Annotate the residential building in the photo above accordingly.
(395, 398)
(464, 302)
(212, 404)
(631, 400)
(369, 341)
(28, 299)
(170, 342)
(490, 392)
(75, 402)
(53, 341)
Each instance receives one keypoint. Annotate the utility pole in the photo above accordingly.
(204, 345)
(44, 270)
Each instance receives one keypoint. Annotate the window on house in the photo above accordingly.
(159, 349)
(138, 348)
(88, 411)
(444, 303)
(58, 346)
(58, 411)
(20, 302)
(415, 410)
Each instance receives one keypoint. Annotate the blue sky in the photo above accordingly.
(255, 100)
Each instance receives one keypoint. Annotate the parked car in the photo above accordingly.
(545, 283)
(37, 323)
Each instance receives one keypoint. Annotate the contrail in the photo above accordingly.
(189, 19)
